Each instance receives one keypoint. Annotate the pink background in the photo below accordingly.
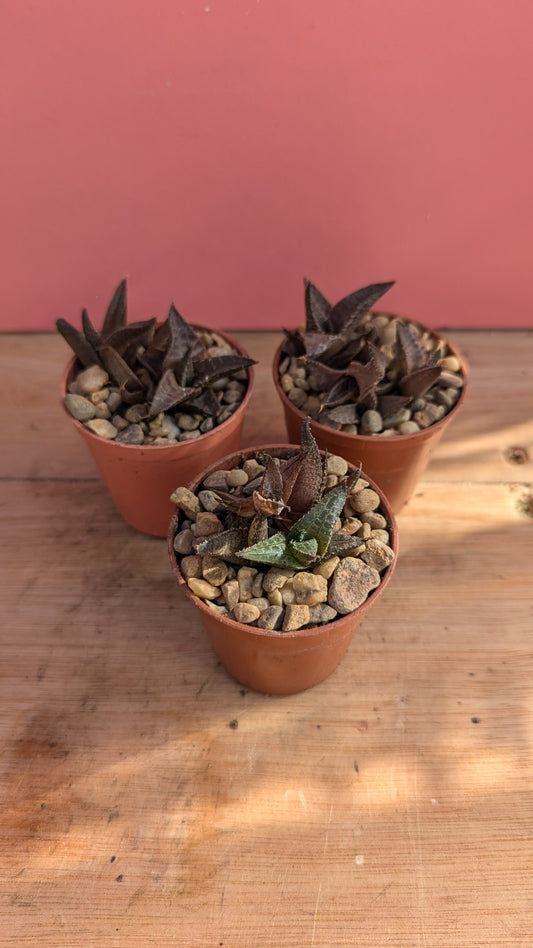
(216, 151)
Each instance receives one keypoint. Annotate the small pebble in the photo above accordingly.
(183, 542)
(191, 567)
(114, 401)
(230, 591)
(102, 410)
(276, 577)
(91, 379)
(102, 428)
(214, 569)
(207, 524)
(352, 581)
(408, 427)
(100, 396)
(132, 434)
(337, 465)
(377, 554)
(190, 435)
(371, 422)
(296, 616)
(309, 588)
(364, 500)
(260, 603)
(186, 501)
(271, 618)
(245, 577)
(244, 612)
(253, 469)
(327, 568)
(203, 589)
(209, 500)
(274, 598)
(120, 423)
(237, 477)
(217, 480)
(188, 422)
(136, 413)
(79, 407)
(321, 613)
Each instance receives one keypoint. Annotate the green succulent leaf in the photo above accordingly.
(319, 522)
(306, 551)
(274, 551)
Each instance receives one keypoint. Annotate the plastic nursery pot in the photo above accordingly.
(395, 463)
(141, 478)
(279, 663)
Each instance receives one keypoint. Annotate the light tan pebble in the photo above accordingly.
(102, 411)
(284, 365)
(79, 407)
(207, 524)
(214, 570)
(360, 484)
(275, 598)
(321, 613)
(338, 525)
(327, 568)
(447, 397)
(207, 425)
(114, 401)
(286, 383)
(303, 384)
(220, 384)
(167, 441)
(183, 542)
(296, 616)
(288, 595)
(187, 422)
(408, 427)
(230, 591)
(297, 396)
(371, 422)
(276, 577)
(271, 618)
(365, 531)
(119, 422)
(218, 480)
(404, 414)
(310, 588)
(351, 526)
(296, 369)
(377, 554)
(244, 612)
(203, 589)
(337, 465)
(364, 500)
(380, 320)
(237, 477)
(429, 415)
(100, 396)
(451, 380)
(224, 415)
(331, 481)
(259, 602)
(209, 500)
(91, 379)
(450, 363)
(190, 435)
(102, 428)
(253, 469)
(350, 429)
(186, 501)
(217, 607)
(257, 585)
(386, 433)
(351, 584)
(245, 578)
(382, 535)
(191, 567)
(311, 405)
(376, 520)
(136, 413)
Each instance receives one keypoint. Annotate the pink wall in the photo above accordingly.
(217, 150)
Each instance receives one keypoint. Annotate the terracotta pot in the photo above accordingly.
(396, 463)
(278, 662)
(141, 478)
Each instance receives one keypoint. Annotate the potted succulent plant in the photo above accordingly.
(283, 550)
(380, 389)
(154, 402)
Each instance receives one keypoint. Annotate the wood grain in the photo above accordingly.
(147, 799)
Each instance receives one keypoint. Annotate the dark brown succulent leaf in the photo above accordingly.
(293, 345)
(258, 530)
(169, 393)
(118, 370)
(91, 334)
(132, 336)
(344, 390)
(81, 348)
(208, 370)
(115, 316)
(206, 403)
(152, 361)
(419, 382)
(322, 346)
(389, 404)
(367, 374)
(344, 414)
(267, 506)
(317, 309)
(410, 355)
(183, 340)
(272, 482)
(236, 503)
(225, 544)
(131, 394)
(306, 473)
(350, 310)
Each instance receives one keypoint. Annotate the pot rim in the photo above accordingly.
(68, 372)
(314, 631)
(370, 439)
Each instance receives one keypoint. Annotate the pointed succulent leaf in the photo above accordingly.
(169, 393)
(344, 414)
(305, 471)
(419, 382)
(317, 309)
(206, 403)
(306, 551)
(350, 310)
(322, 346)
(272, 482)
(319, 522)
(410, 353)
(293, 345)
(258, 529)
(267, 506)
(119, 370)
(115, 317)
(208, 370)
(183, 339)
(236, 503)
(274, 551)
(91, 334)
(81, 348)
(130, 337)
(226, 544)
(368, 374)
(389, 404)
(344, 390)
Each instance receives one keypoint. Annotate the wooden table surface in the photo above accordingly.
(148, 799)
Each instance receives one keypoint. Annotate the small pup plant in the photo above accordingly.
(150, 383)
(283, 542)
(365, 372)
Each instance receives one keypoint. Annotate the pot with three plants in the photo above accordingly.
(154, 403)
(283, 550)
(380, 389)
